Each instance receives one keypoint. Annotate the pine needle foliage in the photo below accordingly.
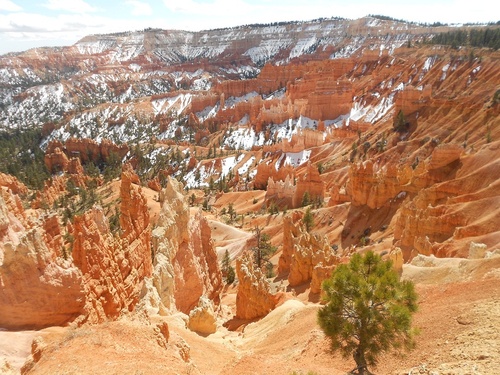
(368, 310)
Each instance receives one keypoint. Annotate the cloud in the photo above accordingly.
(139, 8)
(9, 6)
(216, 7)
(22, 30)
(25, 23)
(73, 6)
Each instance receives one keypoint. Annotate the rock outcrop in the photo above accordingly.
(185, 262)
(265, 171)
(57, 155)
(134, 215)
(287, 194)
(310, 252)
(372, 185)
(305, 257)
(290, 233)
(114, 267)
(254, 298)
(113, 270)
(202, 318)
(38, 287)
(311, 183)
(13, 184)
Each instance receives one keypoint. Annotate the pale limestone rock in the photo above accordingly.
(4, 216)
(185, 264)
(396, 255)
(202, 317)
(477, 250)
(320, 273)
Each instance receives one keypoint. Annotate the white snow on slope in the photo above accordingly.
(177, 104)
(267, 49)
(297, 158)
(232, 101)
(303, 46)
(246, 166)
(207, 113)
(228, 165)
(243, 139)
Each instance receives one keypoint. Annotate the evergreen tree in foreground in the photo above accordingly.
(368, 310)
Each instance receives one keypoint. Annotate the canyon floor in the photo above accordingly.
(459, 323)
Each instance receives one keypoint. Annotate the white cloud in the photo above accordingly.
(20, 31)
(9, 6)
(139, 8)
(217, 7)
(73, 6)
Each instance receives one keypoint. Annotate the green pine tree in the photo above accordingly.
(308, 219)
(227, 270)
(368, 310)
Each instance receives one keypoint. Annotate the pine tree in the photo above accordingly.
(227, 270)
(368, 310)
(264, 249)
(231, 212)
(306, 199)
(401, 125)
(308, 219)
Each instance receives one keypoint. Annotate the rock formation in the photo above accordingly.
(56, 160)
(305, 257)
(112, 271)
(101, 278)
(373, 185)
(281, 192)
(38, 287)
(52, 190)
(57, 186)
(290, 233)
(254, 298)
(13, 184)
(311, 183)
(265, 171)
(202, 317)
(185, 262)
(57, 155)
(134, 215)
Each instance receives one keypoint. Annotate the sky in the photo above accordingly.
(25, 24)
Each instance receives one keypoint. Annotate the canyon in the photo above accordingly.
(165, 151)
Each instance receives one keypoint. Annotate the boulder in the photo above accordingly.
(202, 317)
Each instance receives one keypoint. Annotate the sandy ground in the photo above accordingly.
(459, 324)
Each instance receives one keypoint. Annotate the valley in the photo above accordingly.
(133, 164)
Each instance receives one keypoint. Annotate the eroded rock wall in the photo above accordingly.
(38, 287)
(254, 298)
(185, 261)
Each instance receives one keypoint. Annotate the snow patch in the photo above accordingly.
(243, 139)
(297, 158)
(246, 166)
